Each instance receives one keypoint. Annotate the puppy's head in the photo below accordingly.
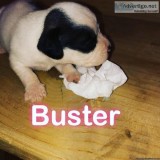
(71, 35)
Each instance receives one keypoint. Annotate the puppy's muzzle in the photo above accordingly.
(101, 52)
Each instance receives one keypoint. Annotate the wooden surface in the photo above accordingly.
(137, 132)
(107, 8)
(104, 6)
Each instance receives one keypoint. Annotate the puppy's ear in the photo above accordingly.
(49, 43)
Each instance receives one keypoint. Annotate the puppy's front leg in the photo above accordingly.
(34, 90)
(71, 74)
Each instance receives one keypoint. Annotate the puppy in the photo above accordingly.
(66, 33)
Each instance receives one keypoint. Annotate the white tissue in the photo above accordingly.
(101, 83)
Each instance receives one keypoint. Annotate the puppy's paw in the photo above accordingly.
(73, 77)
(35, 92)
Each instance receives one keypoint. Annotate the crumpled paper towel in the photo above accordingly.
(101, 83)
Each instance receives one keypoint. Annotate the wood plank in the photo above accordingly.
(137, 131)
(102, 7)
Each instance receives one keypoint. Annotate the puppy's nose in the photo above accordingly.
(109, 48)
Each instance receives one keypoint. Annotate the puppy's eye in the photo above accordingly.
(82, 39)
(85, 42)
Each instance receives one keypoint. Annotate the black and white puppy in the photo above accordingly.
(67, 33)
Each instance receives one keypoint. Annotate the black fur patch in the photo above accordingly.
(60, 32)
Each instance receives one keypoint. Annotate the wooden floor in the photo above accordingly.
(137, 131)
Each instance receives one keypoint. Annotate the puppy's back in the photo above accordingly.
(10, 15)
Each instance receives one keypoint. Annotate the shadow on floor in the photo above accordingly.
(7, 156)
